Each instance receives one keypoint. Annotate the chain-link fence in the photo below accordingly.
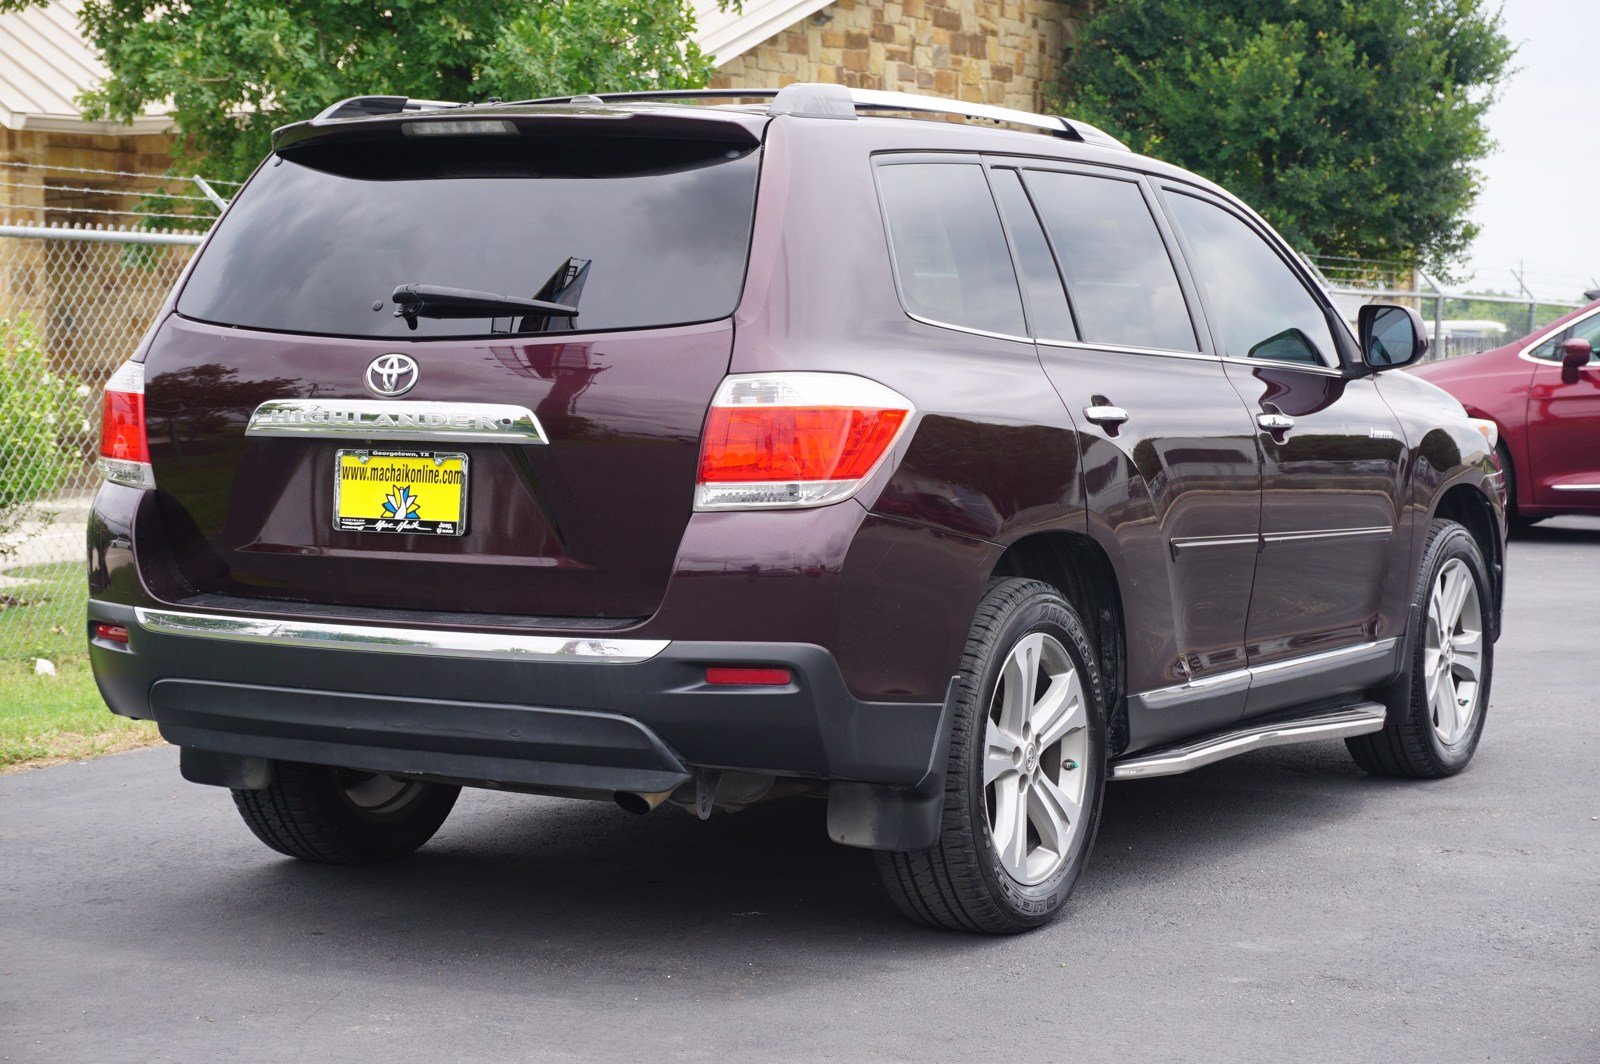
(1458, 323)
(73, 304)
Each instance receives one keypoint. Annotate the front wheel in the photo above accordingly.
(344, 816)
(1025, 774)
(1434, 727)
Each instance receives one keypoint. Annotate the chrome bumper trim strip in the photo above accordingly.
(415, 420)
(378, 639)
(1359, 719)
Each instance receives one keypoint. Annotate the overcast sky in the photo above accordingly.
(1540, 201)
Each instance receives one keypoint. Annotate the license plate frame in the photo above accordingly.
(382, 517)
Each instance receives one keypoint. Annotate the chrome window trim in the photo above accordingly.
(1526, 357)
(379, 639)
(412, 420)
(965, 328)
(1126, 349)
(1238, 680)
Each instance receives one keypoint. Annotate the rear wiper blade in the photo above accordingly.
(413, 301)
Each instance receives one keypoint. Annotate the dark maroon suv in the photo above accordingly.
(702, 452)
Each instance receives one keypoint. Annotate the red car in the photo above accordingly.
(1543, 392)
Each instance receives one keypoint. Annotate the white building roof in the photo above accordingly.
(45, 63)
(726, 34)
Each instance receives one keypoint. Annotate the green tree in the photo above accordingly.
(1352, 125)
(234, 69)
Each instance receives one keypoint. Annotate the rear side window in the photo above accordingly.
(324, 233)
(1121, 280)
(1262, 309)
(950, 255)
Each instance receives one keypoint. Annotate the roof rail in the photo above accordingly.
(369, 106)
(819, 100)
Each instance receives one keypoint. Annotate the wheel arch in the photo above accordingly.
(1467, 505)
(1079, 568)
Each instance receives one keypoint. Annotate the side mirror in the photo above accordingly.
(1391, 336)
(1576, 352)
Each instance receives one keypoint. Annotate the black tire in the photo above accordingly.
(1408, 746)
(961, 883)
(308, 812)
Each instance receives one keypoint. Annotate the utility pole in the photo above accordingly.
(1532, 302)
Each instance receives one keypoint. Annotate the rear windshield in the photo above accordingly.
(323, 234)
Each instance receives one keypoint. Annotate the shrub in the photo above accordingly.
(41, 412)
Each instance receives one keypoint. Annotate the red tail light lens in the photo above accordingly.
(124, 446)
(111, 633)
(795, 439)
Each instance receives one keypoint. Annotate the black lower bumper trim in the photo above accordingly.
(556, 748)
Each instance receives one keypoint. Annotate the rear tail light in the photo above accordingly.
(795, 439)
(124, 447)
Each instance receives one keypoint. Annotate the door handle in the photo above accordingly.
(1275, 422)
(1105, 415)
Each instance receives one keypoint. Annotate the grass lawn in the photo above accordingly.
(45, 719)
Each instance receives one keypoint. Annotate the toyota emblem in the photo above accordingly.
(392, 374)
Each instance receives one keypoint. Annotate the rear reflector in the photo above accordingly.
(747, 677)
(795, 439)
(111, 633)
(124, 447)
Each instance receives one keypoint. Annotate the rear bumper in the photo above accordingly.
(565, 715)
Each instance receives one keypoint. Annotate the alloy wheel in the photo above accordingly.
(1452, 654)
(1036, 742)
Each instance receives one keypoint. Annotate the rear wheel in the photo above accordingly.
(1434, 731)
(1025, 774)
(343, 816)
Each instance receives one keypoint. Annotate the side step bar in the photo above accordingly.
(1357, 719)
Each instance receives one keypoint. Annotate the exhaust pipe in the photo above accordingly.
(639, 803)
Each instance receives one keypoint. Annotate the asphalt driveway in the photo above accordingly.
(1277, 907)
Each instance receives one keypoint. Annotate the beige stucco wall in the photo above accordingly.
(981, 51)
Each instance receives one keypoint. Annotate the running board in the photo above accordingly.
(1357, 719)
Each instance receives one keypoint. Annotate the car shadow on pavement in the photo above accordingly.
(513, 883)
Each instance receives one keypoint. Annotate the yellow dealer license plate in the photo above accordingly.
(422, 492)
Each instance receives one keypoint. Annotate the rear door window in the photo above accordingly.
(950, 256)
(323, 234)
(1123, 286)
(1048, 312)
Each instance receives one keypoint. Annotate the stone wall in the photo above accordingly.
(981, 51)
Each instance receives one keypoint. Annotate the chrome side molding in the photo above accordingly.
(1256, 676)
(378, 639)
(414, 420)
(1358, 719)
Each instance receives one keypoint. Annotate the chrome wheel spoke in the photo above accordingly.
(1061, 709)
(1054, 814)
(1001, 753)
(1011, 825)
(1468, 655)
(1019, 680)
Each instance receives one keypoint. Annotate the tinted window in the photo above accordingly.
(950, 254)
(1587, 329)
(1122, 283)
(323, 233)
(1048, 313)
(1262, 309)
